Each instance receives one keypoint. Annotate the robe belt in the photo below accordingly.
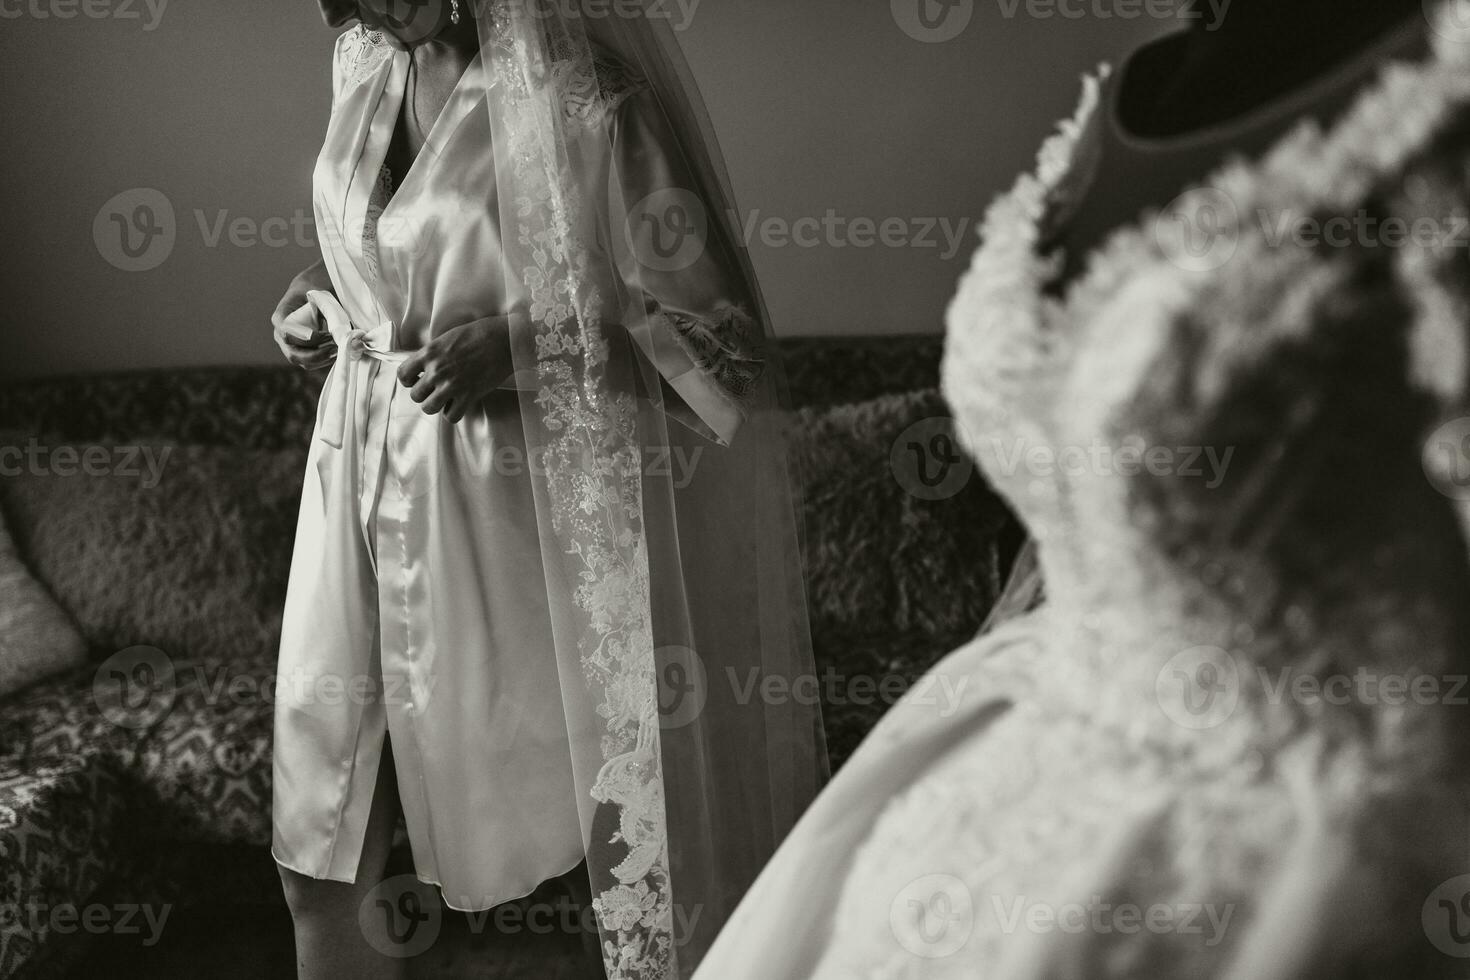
(356, 349)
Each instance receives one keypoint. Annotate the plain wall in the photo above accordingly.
(822, 106)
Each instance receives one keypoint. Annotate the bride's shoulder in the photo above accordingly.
(357, 54)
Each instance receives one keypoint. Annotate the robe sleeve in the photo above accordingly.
(697, 331)
(340, 54)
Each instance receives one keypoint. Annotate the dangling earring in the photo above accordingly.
(454, 12)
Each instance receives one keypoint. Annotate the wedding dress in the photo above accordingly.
(1232, 741)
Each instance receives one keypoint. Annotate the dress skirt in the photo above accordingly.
(417, 608)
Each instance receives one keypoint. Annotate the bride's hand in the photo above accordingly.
(456, 370)
(299, 335)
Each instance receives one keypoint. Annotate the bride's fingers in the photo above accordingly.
(411, 371)
(438, 401)
(422, 389)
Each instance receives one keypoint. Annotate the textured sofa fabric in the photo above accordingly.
(62, 828)
(894, 581)
(195, 566)
(274, 408)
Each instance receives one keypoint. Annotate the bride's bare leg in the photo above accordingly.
(329, 942)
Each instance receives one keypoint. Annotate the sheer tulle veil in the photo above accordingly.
(670, 537)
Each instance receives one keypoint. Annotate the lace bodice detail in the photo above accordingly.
(382, 193)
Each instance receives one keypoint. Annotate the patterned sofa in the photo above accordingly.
(171, 801)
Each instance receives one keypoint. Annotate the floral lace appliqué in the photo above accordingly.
(721, 348)
(381, 194)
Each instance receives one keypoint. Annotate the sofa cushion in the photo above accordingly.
(37, 638)
(180, 547)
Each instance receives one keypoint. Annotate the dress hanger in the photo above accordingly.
(1259, 51)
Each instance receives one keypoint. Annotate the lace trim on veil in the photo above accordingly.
(593, 477)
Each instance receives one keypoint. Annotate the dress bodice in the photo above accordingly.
(1071, 311)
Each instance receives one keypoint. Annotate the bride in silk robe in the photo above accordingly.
(428, 600)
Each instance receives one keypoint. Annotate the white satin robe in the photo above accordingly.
(417, 604)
